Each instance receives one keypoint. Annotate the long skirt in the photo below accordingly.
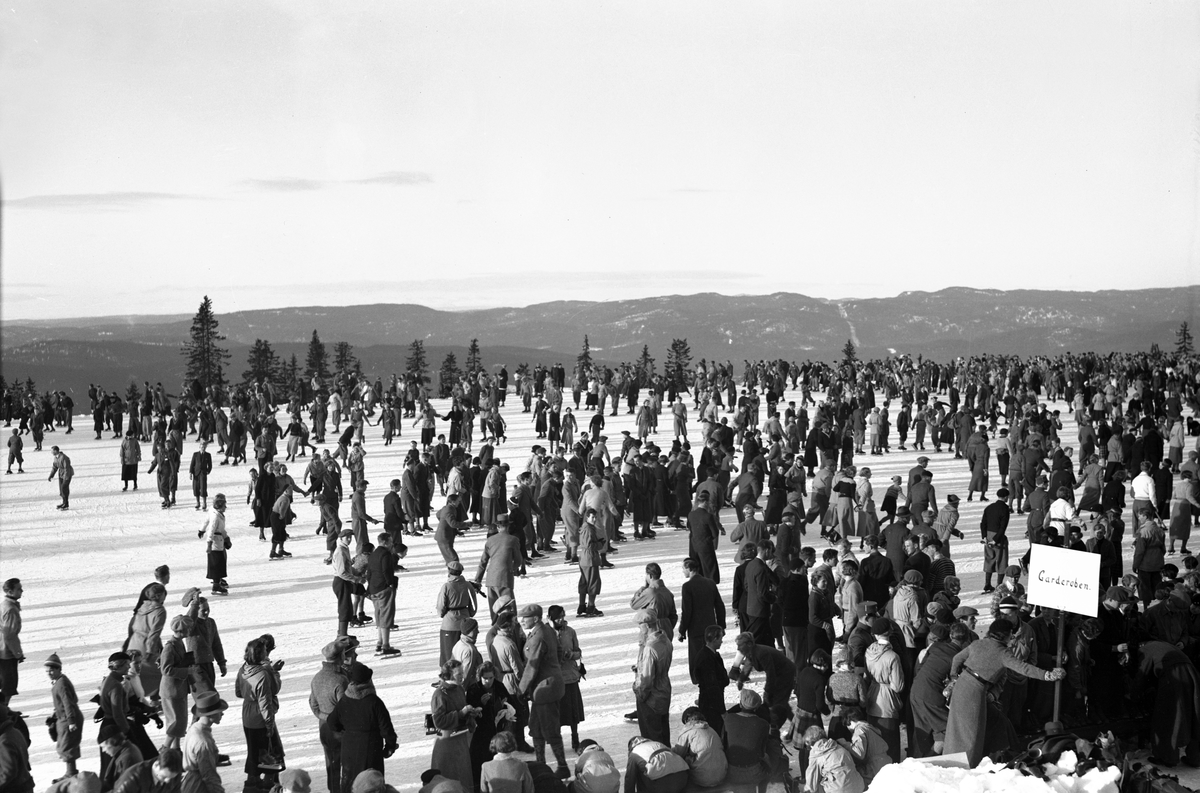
(1181, 521)
(452, 756)
(844, 516)
(868, 522)
(129, 472)
(570, 707)
(217, 565)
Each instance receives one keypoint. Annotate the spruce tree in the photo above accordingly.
(344, 359)
(415, 364)
(205, 357)
(30, 386)
(849, 354)
(263, 364)
(645, 366)
(583, 361)
(523, 369)
(1183, 340)
(474, 358)
(317, 361)
(679, 361)
(288, 374)
(133, 393)
(448, 375)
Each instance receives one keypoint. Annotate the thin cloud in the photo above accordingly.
(292, 184)
(285, 184)
(396, 178)
(112, 200)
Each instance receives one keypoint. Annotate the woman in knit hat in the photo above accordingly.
(176, 669)
(68, 720)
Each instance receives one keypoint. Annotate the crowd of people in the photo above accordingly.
(851, 645)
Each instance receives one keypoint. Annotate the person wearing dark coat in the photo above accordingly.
(760, 583)
(542, 683)
(893, 536)
(364, 726)
(793, 608)
(711, 677)
(993, 527)
(929, 707)
(702, 607)
(704, 530)
(876, 574)
(1167, 678)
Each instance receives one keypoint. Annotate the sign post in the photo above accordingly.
(1065, 580)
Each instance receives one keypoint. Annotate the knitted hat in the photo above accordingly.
(913, 577)
(469, 625)
(454, 568)
(749, 699)
(190, 595)
(53, 661)
(881, 627)
(1008, 603)
(360, 673)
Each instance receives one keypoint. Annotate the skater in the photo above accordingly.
(218, 544)
(15, 445)
(198, 471)
(68, 720)
(62, 467)
(131, 455)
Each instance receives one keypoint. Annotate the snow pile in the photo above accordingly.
(915, 776)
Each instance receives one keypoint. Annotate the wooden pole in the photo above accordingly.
(1056, 725)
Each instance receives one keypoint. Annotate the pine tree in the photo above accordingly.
(849, 354)
(344, 359)
(30, 386)
(205, 358)
(288, 374)
(523, 369)
(474, 358)
(263, 364)
(448, 375)
(1183, 340)
(583, 361)
(679, 361)
(645, 366)
(317, 361)
(133, 393)
(415, 364)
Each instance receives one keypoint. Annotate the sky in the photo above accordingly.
(474, 154)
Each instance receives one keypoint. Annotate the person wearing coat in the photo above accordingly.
(1183, 499)
(831, 767)
(590, 555)
(979, 670)
(131, 455)
(200, 750)
(1167, 678)
(1149, 550)
(702, 607)
(176, 670)
(501, 562)
(146, 637)
(542, 684)
(704, 531)
(455, 721)
(257, 684)
(362, 722)
(504, 773)
(68, 719)
(929, 707)
(885, 685)
(216, 537)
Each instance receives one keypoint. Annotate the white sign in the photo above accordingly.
(1064, 579)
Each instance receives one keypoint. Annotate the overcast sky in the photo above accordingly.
(477, 154)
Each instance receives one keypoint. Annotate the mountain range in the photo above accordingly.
(70, 353)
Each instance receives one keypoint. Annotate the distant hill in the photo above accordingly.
(947, 323)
